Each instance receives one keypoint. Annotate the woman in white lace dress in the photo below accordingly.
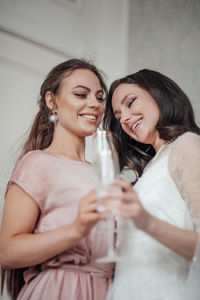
(156, 135)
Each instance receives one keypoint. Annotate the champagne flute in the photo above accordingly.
(106, 169)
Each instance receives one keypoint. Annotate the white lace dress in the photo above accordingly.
(170, 190)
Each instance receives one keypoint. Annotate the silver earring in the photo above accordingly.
(53, 118)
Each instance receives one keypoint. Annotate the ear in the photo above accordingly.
(50, 101)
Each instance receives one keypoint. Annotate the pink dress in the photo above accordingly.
(57, 184)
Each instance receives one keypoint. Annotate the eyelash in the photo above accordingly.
(100, 99)
(83, 96)
(130, 102)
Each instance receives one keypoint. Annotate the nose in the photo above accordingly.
(93, 102)
(124, 118)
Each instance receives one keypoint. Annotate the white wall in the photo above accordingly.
(165, 36)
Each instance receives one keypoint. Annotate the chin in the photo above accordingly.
(138, 138)
(132, 135)
(87, 132)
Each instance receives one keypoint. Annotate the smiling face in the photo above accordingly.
(79, 104)
(138, 113)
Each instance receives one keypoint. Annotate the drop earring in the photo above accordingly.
(53, 117)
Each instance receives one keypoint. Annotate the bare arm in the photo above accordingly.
(183, 242)
(19, 247)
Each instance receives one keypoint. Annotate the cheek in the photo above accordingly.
(101, 110)
(136, 108)
(125, 128)
(155, 115)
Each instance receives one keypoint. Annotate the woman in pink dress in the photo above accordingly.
(48, 237)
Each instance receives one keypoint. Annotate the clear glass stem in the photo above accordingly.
(111, 255)
(111, 234)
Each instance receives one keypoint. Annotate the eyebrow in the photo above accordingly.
(86, 88)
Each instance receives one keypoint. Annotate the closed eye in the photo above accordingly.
(131, 101)
(81, 95)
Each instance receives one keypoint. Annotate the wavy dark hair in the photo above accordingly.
(176, 117)
(40, 137)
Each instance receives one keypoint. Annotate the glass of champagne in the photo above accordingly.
(106, 169)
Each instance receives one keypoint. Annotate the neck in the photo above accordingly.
(162, 147)
(158, 144)
(69, 145)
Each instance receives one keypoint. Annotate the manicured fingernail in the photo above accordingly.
(102, 193)
(100, 209)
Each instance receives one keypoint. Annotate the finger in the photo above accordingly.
(88, 198)
(125, 186)
(129, 197)
(92, 207)
(93, 218)
(132, 211)
(88, 207)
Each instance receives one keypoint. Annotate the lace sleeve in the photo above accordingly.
(185, 169)
(184, 165)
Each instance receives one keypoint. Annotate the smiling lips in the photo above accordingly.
(92, 117)
(133, 127)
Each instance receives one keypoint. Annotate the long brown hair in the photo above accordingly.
(176, 117)
(40, 137)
